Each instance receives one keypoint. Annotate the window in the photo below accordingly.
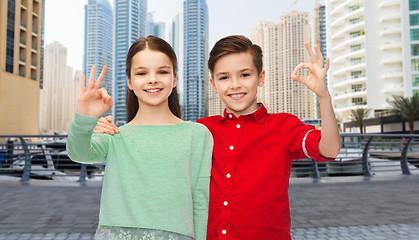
(354, 20)
(355, 47)
(355, 61)
(356, 74)
(414, 19)
(415, 65)
(355, 34)
(415, 49)
(356, 87)
(353, 8)
(413, 5)
(415, 80)
(357, 101)
(414, 34)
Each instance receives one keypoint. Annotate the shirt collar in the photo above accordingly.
(259, 114)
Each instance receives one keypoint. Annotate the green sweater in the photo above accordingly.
(157, 176)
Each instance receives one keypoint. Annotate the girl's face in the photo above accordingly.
(152, 77)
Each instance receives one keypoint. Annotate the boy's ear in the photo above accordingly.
(213, 86)
(261, 78)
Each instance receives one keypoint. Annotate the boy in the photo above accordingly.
(253, 150)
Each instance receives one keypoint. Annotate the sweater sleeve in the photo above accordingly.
(200, 195)
(83, 146)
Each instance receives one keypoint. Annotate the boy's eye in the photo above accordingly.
(245, 75)
(141, 73)
(223, 78)
(163, 72)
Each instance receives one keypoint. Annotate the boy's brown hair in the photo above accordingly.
(235, 44)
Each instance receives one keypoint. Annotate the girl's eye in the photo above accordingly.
(245, 75)
(163, 72)
(223, 78)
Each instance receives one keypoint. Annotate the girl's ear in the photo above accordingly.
(175, 81)
(261, 78)
(129, 83)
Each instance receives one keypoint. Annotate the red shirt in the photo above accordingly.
(251, 167)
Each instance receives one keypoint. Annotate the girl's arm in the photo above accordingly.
(200, 194)
(92, 103)
(329, 144)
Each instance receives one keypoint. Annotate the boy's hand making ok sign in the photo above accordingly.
(315, 81)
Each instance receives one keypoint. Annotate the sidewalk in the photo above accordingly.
(331, 208)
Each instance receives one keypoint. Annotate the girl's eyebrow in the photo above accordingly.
(140, 67)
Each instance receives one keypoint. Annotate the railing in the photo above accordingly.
(366, 155)
(44, 157)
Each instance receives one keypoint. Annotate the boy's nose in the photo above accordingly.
(235, 84)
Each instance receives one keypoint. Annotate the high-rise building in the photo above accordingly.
(410, 28)
(130, 24)
(98, 41)
(366, 51)
(176, 41)
(266, 35)
(21, 30)
(320, 40)
(195, 42)
(283, 49)
(58, 96)
(215, 105)
(155, 28)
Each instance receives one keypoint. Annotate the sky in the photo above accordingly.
(64, 20)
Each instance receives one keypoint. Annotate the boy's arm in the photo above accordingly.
(329, 144)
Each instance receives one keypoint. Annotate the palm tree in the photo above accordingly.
(360, 116)
(407, 108)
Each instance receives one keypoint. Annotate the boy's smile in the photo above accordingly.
(235, 79)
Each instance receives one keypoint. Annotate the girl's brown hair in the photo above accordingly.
(235, 44)
(155, 44)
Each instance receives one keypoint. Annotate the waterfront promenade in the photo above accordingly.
(379, 207)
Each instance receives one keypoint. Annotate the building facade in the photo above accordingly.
(58, 96)
(283, 49)
(365, 45)
(130, 24)
(195, 42)
(410, 28)
(98, 42)
(21, 38)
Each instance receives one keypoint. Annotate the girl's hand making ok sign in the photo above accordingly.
(92, 100)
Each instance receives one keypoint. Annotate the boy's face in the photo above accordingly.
(235, 79)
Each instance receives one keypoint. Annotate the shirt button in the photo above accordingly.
(225, 203)
(228, 175)
(231, 147)
(224, 231)
(238, 125)
(230, 116)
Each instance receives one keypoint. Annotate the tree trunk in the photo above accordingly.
(411, 126)
(361, 128)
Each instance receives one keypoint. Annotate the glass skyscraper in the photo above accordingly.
(98, 37)
(195, 40)
(130, 22)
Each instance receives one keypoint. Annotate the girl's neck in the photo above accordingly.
(154, 115)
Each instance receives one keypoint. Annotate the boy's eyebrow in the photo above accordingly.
(241, 70)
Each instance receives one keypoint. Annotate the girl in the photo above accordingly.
(158, 166)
